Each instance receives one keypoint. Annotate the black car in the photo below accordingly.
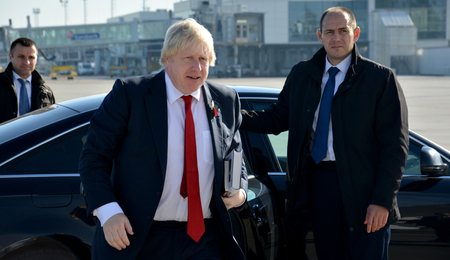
(42, 210)
(423, 231)
(43, 213)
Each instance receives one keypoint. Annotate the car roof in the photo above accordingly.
(93, 102)
(47, 115)
(253, 91)
(59, 111)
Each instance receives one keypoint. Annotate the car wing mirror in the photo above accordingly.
(431, 163)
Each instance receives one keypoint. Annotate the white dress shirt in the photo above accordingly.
(18, 86)
(172, 205)
(340, 76)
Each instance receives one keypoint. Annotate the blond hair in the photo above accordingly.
(184, 34)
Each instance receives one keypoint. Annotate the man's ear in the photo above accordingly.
(356, 33)
(166, 62)
(319, 35)
(10, 57)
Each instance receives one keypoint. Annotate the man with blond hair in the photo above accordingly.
(152, 164)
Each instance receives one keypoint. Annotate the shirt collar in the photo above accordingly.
(16, 77)
(173, 94)
(342, 66)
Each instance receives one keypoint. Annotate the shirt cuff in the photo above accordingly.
(245, 197)
(106, 211)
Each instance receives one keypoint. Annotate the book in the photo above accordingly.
(232, 168)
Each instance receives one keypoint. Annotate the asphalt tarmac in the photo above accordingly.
(428, 98)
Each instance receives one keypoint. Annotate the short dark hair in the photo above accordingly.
(22, 41)
(338, 9)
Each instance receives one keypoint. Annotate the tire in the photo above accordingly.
(41, 254)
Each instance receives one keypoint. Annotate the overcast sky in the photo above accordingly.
(52, 11)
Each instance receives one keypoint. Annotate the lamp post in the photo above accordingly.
(84, 1)
(64, 4)
(36, 12)
(112, 8)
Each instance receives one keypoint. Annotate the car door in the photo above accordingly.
(269, 153)
(423, 231)
(268, 166)
(40, 190)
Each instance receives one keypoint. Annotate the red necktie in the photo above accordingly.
(189, 184)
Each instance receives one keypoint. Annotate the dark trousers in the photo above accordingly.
(168, 240)
(296, 227)
(332, 238)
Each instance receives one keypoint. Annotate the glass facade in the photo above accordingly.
(54, 37)
(77, 35)
(152, 30)
(134, 44)
(304, 18)
(429, 16)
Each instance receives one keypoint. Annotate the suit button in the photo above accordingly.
(158, 193)
(351, 229)
(149, 218)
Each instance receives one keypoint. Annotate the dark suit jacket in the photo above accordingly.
(370, 133)
(125, 155)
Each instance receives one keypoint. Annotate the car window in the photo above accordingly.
(60, 155)
(413, 161)
(279, 145)
(278, 142)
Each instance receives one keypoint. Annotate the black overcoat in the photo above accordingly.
(41, 94)
(370, 133)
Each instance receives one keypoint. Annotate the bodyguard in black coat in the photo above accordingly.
(352, 195)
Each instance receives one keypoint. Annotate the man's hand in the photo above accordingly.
(376, 217)
(235, 200)
(116, 229)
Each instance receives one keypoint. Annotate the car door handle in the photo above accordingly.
(259, 212)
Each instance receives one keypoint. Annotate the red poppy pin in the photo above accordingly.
(214, 112)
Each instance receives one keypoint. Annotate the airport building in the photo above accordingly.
(252, 37)
(126, 45)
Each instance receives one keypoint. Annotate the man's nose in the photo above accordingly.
(336, 36)
(196, 65)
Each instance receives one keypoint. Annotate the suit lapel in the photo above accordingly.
(216, 131)
(156, 105)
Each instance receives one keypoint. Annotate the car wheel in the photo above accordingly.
(41, 254)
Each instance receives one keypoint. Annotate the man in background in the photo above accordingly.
(22, 88)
